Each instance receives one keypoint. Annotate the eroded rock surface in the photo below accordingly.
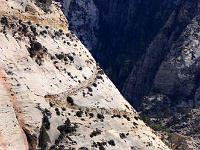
(53, 93)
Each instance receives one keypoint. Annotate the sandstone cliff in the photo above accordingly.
(53, 93)
(167, 78)
(157, 44)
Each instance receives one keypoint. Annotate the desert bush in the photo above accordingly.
(63, 109)
(24, 28)
(95, 133)
(91, 115)
(67, 127)
(111, 142)
(57, 111)
(43, 138)
(58, 34)
(67, 35)
(101, 147)
(4, 21)
(70, 100)
(100, 116)
(83, 148)
(51, 104)
(71, 58)
(128, 118)
(79, 113)
(122, 135)
(136, 117)
(94, 84)
(47, 112)
(60, 56)
(36, 46)
(89, 89)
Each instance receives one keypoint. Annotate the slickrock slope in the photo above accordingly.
(53, 93)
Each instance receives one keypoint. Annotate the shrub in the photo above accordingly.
(100, 116)
(128, 119)
(65, 59)
(20, 21)
(67, 127)
(63, 109)
(43, 138)
(122, 135)
(60, 30)
(125, 116)
(136, 117)
(89, 89)
(101, 147)
(37, 46)
(51, 104)
(44, 32)
(59, 56)
(12, 25)
(67, 35)
(4, 21)
(83, 148)
(94, 84)
(99, 77)
(58, 113)
(116, 116)
(91, 115)
(111, 142)
(71, 58)
(79, 113)
(95, 133)
(46, 122)
(70, 100)
(135, 124)
(52, 57)
(29, 23)
(94, 144)
(58, 34)
(47, 112)
(24, 28)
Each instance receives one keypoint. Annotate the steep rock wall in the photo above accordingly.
(118, 30)
(53, 93)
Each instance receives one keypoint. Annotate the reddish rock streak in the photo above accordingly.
(8, 87)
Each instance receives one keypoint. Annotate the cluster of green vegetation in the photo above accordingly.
(44, 137)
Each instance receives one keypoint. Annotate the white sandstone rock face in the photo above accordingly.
(47, 76)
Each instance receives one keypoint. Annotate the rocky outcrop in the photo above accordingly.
(159, 41)
(168, 39)
(53, 93)
(115, 27)
(170, 67)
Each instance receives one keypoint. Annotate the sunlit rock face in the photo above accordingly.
(53, 93)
